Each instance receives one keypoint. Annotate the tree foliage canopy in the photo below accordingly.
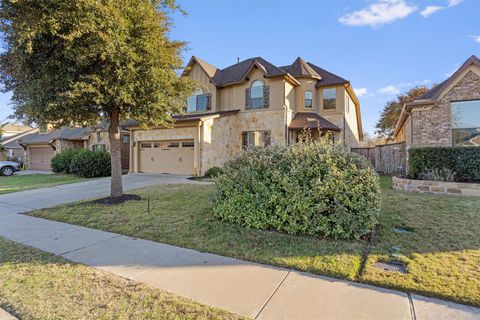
(76, 62)
(392, 110)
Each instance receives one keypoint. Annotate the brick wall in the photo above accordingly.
(432, 127)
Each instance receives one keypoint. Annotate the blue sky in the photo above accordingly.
(382, 46)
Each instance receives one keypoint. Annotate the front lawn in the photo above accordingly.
(442, 253)
(39, 285)
(34, 181)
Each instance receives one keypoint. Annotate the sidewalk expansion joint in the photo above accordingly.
(17, 205)
(412, 307)
(271, 295)
(90, 245)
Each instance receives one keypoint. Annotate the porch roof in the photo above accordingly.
(309, 120)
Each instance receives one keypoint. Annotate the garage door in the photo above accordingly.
(167, 157)
(40, 158)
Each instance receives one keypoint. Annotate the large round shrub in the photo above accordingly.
(312, 189)
(90, 164)
(61, 161)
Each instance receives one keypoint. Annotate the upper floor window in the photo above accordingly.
(465, 123)
(255, 138)
(98, 136)
(329, 99)
(257, 96)
(308, 99)
(199, 101)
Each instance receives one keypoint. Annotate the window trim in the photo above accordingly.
(198, 94)
(261, 98)
(305, 99)
(330, 99)
(267, 133)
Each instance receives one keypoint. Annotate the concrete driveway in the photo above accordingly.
(24, 201)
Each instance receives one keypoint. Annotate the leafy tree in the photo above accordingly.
(80, 62)
(392, 110)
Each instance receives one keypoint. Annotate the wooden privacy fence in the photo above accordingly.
(389, 159)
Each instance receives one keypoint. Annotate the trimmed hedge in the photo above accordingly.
(91, 164)
(306, 189)
(61, 161)
(463, 162)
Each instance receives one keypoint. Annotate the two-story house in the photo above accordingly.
(251, 103)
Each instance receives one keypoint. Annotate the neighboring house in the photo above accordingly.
(9, 129)
(43, 145)
(12, 150)
(447, 115)
(251, 103)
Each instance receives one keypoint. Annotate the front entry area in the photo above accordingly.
(175, 156)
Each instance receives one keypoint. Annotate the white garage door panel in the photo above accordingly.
(167, 157)
(40, 158)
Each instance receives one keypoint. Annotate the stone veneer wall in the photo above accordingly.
(436, 187)
(432, 127)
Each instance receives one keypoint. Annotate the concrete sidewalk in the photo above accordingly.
(254, 290)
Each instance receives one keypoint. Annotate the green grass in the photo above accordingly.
(34, 181)
(443, 251)
(39, 285)
(442, 254)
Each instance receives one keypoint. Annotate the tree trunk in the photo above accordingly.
(115, 155)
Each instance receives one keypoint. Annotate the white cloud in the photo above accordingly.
(453, 3)
(361, 91)
(392, 90)
(428, 11)
(378, 13)
(476, 38)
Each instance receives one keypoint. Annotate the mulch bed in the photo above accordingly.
(115, 201)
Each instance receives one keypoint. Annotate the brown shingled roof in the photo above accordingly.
(238, 72)
(308, 120)
(300, 69)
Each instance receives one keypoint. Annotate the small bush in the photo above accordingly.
(61, 161)
(91, 164)
(312, 189)
(463, 162)
(438, 175)
(213, 172)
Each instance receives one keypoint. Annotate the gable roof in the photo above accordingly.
(436, 91)
(432, 95)
(301, 69)
(237, 73)
(11, 142)
(65, 133)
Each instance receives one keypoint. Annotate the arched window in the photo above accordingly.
(197, 102)
(308, 99)
(256, 94)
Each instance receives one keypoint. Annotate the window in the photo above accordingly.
(255, 139)
(329, 99)
(198, 102)
(308, 99)
(99, 147)
(173, 145)
(189, 144)
(256, 95)
(145, 145)
(125, 139)
(99, 136)
(156, 145)
(465, 123)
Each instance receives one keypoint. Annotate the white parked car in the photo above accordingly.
(7, 168)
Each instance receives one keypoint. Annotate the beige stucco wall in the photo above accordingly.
(352, 138)
(306, 85)
(233, 97)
